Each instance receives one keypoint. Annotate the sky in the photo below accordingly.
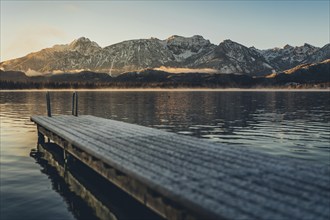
(29, 26)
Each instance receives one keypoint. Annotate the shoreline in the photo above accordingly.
(173, 90)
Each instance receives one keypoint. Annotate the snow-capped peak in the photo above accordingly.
(172, 37)
(288, 56)
(308, 45)
(287, 46)
(184, 47)
(229, 45)
(83, 41)
(84, 46)
(187, 41)
(228, 41)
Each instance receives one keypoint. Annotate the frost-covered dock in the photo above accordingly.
(183, 177)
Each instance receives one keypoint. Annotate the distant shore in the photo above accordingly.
(175, 90)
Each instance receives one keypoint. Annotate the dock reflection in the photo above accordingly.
(87, 194)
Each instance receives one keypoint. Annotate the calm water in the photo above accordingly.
(285, 124)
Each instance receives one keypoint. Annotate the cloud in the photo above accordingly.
(30, 39)
(31, 72)
(186, 70)
(69, 71)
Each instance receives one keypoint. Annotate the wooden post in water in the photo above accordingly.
(49, 113)
(75, 104)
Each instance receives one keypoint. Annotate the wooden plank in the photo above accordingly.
(135, 188)
(207, 179)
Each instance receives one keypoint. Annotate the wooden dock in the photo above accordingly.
(182, 177)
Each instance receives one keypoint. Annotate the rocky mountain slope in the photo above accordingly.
(185, 52)
(305, 73)
(231, 57)
(288, 56)
(319, 55)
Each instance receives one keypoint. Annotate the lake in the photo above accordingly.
(281, 123)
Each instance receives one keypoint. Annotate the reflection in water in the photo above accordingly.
(293, 124)
(88, 195)
(288, 123)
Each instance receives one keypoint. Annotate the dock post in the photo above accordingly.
(65, 156)
(73, 103)
(49, 113)
(76, 105)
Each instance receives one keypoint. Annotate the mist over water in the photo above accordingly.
(285, 124)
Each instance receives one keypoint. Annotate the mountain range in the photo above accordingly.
(316, 75)
(176, 52)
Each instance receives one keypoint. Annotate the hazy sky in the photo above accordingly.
(28, 26)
